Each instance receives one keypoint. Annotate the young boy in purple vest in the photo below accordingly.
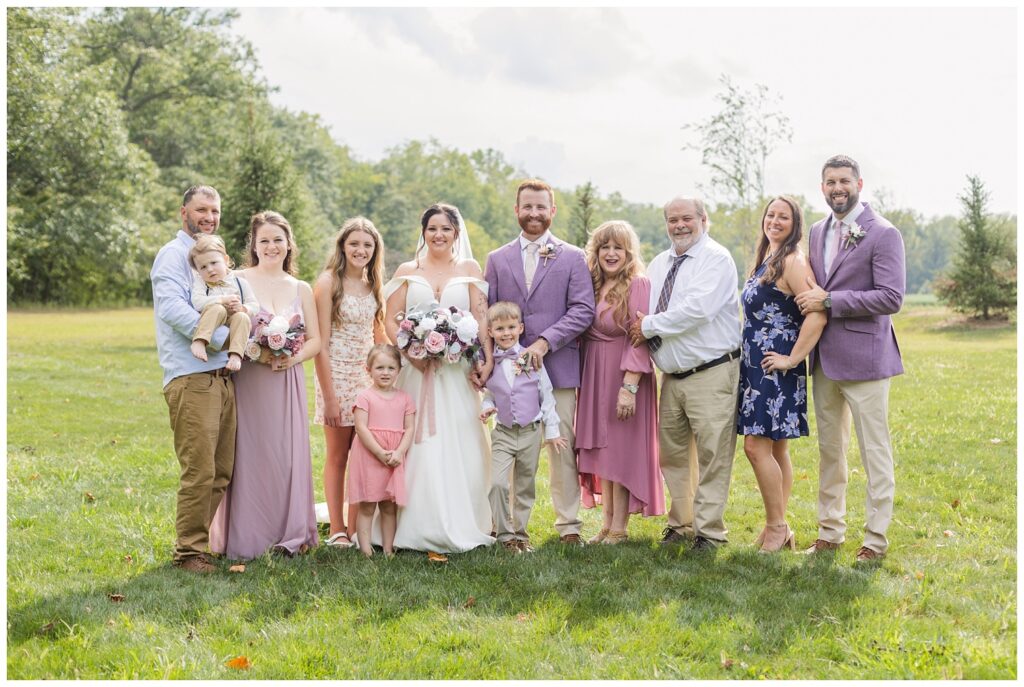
(523, 400)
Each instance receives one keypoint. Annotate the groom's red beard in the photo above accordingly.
(545, 223)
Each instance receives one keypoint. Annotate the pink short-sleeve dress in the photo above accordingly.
(622, 451)
(369, 480)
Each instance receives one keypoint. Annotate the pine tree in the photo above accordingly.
(582, 221)
(984, 279)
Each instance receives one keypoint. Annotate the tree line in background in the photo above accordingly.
(112, 113)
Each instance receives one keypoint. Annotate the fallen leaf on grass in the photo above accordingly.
(111, 623)
(470, 602)
(116, 598)
(436, 557)
(726, 661)
(522, 617)
(35, 476)
(128, 558)
(995, 441)
(948, 533)
(47, 628)
(89, 497)
(955, 504)
(919, 575)
(239, 663)
(240, 568)
(128, 491)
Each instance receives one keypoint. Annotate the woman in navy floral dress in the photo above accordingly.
(773, 374)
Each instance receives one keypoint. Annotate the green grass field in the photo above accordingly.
(91, 478)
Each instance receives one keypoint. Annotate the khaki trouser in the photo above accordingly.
(867, 404)
(699, 411)
(565, 477)
(202, 410)
(213, 316)
(515, 452)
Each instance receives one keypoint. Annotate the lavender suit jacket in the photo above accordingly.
(559, 307)
(867, 282)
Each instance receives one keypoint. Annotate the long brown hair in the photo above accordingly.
(777, 262)
(373, 272)
(622, 233)
(277, 219)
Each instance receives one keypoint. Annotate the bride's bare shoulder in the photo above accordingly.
(469, 268)
(405, 269)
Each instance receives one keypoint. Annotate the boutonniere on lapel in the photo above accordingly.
(548, 251)
(853, 235)
(521, 365)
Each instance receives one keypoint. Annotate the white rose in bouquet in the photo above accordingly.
(467, 329)
(428, 324)
(278, 325)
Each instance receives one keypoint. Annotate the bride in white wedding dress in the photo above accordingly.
(447, 474)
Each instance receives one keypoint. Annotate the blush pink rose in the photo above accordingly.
(417, 351)
(434, 343)
(406, 325)
(276, 341)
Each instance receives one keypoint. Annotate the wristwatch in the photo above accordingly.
(631, 388)
(828, 301)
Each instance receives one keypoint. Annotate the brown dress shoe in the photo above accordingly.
(524, 546)
(820, 545)
(196, 564)
(864, 555)
(573, 539)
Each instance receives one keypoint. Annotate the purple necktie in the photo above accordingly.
(654, 343)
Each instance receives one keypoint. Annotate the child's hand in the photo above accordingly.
(396, 458)
(385, 457)
(487, 413)
(558, 444)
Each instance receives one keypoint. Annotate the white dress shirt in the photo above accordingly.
(541, 242)
(702, 320)
(839, 225)
(547, 397)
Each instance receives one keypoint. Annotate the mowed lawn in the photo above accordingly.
(91, 478)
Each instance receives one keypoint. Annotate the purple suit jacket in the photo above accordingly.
(559, 307)
(867, 282)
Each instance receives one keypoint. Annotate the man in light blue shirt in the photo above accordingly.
(200, 394)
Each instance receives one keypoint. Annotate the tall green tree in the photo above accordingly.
(983, 281)
(76, 185)
(582, 221)
(735, 143)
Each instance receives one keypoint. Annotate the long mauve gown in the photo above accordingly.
(269, 501)
(622, 451)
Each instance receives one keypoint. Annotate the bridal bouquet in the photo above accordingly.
(434, 332)
(274, 336)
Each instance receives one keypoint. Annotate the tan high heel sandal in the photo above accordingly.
(599, 537)
(774, 541)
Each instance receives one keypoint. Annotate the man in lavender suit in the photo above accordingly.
(858, 260)
(549, 280)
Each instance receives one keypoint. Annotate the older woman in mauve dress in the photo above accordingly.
(616, 415)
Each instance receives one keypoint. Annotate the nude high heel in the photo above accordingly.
(599, 537)
(778, 537)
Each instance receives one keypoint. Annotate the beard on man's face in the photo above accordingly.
(545, 223)
(843, 206)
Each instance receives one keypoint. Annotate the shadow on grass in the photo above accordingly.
(783, 596)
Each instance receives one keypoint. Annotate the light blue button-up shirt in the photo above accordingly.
(176, 319)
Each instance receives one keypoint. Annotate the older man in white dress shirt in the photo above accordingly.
(694, 336)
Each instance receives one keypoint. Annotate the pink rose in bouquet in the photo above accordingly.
(434, 342)
(276, 341)
(417, 351)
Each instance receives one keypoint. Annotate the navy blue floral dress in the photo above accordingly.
(772, 405)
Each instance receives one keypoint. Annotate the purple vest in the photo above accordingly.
(518, 404)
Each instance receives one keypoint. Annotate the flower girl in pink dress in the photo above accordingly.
(384, 420)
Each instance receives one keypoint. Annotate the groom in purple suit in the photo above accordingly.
(549, 280)
(857, 258)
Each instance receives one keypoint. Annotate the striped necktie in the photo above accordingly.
(654, 343)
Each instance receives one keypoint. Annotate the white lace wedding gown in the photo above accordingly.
(447, 475)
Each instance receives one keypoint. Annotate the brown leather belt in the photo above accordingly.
(706, 366)
(219, 372)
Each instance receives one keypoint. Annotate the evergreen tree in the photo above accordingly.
(582, 221)
(984, 279)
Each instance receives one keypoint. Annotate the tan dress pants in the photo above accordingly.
(699, 411)
(867, 404)
(202, 410)
(515, 452)
(565, 477)
(239, 324)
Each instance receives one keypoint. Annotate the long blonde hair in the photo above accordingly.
(622, 233)
(374, 270)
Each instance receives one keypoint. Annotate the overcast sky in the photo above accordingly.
(920, 97)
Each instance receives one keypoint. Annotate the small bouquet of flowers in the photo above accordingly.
(435, 332)
(275, 336)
